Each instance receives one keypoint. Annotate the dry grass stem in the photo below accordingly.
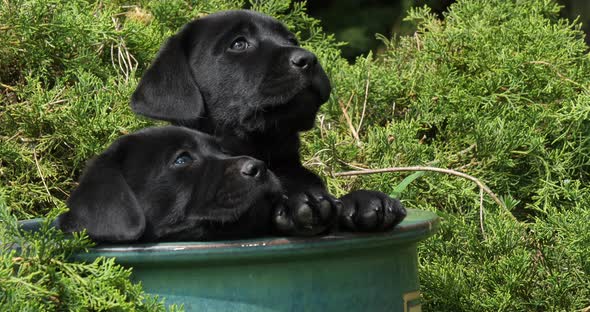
(355, 166)
(348, 120)
(358, 128)
(482, 186)
(483, 232)
(40, 173)
(560, 75)
(11, 88)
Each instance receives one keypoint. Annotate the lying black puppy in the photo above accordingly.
(242, 77)
(171, 183)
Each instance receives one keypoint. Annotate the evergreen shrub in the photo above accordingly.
(498, 90)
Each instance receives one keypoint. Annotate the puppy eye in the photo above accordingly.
(183, 159)
(239, 44)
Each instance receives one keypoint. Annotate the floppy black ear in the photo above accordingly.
(167, 90)
(104, 205)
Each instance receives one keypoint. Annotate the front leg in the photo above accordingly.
(370, 211)
(307, 208)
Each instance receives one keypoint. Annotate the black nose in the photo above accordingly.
(302, 59)
(253, 168)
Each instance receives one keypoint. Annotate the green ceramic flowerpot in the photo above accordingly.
(344, 272)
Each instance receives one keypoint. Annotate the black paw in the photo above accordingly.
(370, 211)
(307, 213)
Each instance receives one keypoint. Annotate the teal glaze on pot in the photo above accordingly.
(344, 272)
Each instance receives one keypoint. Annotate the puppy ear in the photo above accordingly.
(104, 204)
(167, 90)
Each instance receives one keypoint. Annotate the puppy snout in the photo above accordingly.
(253, 169)
(302, 59)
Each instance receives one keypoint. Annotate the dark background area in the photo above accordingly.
(357, 21)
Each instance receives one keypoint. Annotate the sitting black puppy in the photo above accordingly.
(171, 183)
(242, 77)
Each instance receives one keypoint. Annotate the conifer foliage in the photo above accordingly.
(498, 90)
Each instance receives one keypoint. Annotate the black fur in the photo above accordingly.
(134, 191)
(242, 77)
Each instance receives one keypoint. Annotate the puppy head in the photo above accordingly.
(170, 183)
(237, 70)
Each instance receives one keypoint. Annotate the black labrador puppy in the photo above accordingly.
(242, 77)
(171, 183)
